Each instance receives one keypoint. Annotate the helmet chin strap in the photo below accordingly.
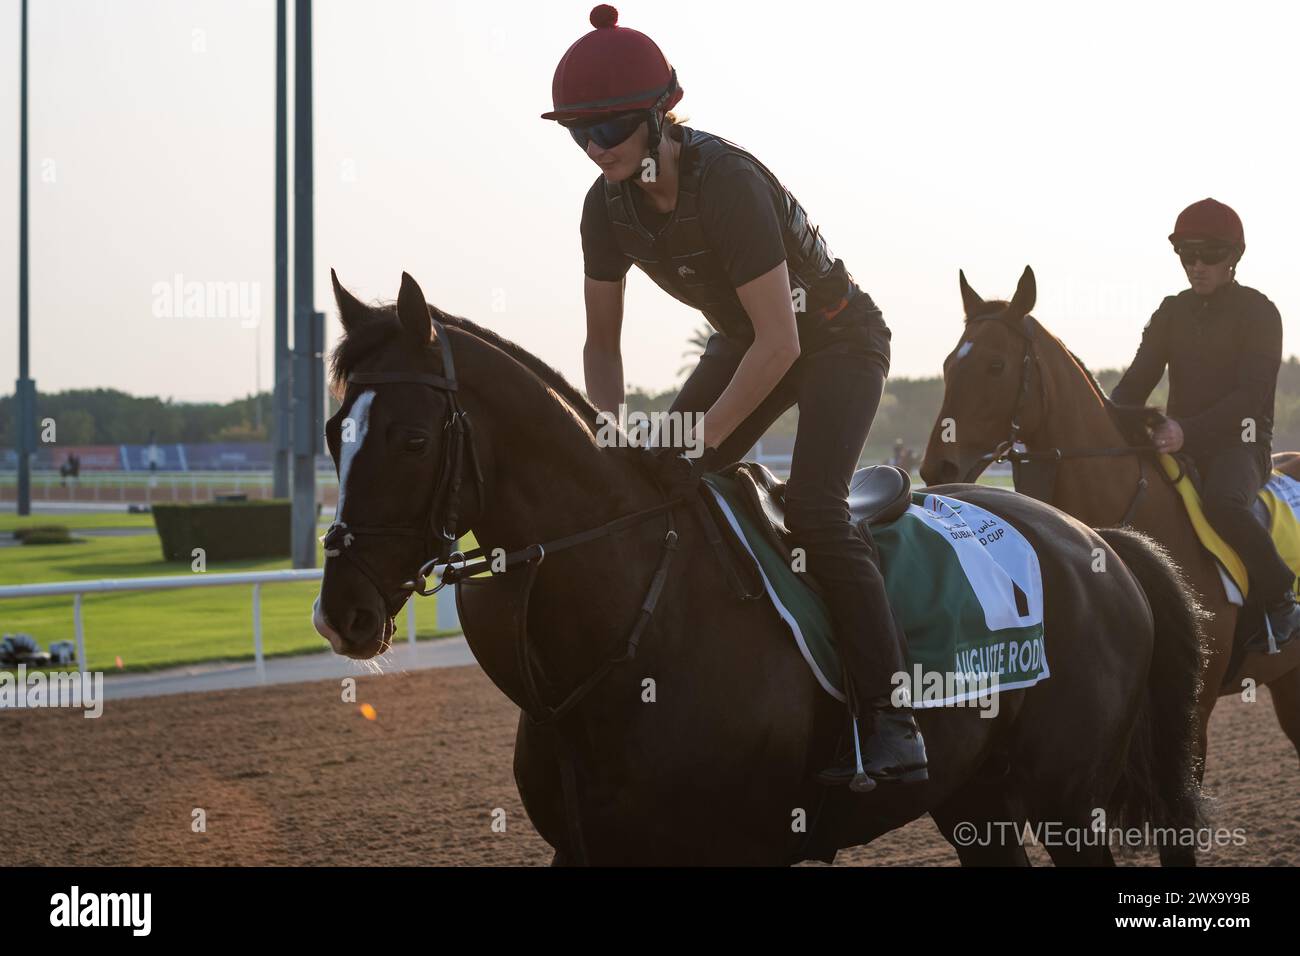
(655, 130)
(654, 125)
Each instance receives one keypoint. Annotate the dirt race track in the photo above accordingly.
(291, 775)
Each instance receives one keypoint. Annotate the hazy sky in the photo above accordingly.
(921, 137)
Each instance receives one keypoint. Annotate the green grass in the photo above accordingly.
(154, 629)
(9, 522)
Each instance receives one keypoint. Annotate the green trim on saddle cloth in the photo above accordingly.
(965, 584)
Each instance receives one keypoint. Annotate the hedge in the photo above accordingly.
(52, 534)
(225, 530)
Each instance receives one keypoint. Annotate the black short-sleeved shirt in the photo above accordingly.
(741, 216)
(739, 212)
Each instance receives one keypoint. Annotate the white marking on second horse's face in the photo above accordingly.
(962, 351)
(360, 416)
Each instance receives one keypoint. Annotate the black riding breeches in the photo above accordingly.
(838, 389)
(1230, 481)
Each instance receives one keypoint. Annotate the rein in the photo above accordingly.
(1040, 482)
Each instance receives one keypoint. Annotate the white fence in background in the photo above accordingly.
(446, 618)
(143, 487)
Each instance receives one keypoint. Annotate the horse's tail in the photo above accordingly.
(1159, 785)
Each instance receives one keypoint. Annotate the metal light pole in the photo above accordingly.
(283, 364)
(308, 324)
(25, 389)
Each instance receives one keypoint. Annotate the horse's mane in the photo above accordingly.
(1131, 420)
(369, 336)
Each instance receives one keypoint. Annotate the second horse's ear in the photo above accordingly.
(971, 303)
(413, 311)
(1022, 303)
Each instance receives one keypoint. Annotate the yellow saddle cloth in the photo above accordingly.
(1280, 496)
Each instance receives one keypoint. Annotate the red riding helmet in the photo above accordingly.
(1209, 219)
(612, 70)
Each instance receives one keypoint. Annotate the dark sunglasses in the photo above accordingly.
(607, 133)
(1210, 255)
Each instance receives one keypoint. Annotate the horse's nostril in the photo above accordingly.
(359, 625)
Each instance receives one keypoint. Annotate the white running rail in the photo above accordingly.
(445, 620)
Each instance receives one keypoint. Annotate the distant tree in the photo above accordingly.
(103, 416)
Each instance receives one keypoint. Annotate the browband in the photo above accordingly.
(445, 382)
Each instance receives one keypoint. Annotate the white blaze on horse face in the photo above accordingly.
(360, 415)
(962, 351)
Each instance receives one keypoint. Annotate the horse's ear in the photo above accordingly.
(1022, 303)
(352, 313)
(970, 300)
(413, 311)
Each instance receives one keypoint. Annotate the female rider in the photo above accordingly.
(715, 229)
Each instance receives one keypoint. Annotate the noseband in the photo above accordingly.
(439, 531)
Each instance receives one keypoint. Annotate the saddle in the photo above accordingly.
(878, 494)
(1257, 507)
(1250, 632)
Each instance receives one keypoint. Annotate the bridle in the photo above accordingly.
(1034, 472)
(440, 529)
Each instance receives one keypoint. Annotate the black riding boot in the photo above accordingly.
(870, 643)
(1283, 621)
(893, 753)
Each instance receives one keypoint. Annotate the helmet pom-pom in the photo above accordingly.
(603, 16)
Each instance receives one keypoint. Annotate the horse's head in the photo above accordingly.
(987, 384)
(392, 443)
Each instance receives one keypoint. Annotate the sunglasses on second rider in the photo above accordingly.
(1209, 253)
(606, 132)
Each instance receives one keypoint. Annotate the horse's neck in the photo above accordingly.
(1099, 491)
(1096, 490)
(548, 476)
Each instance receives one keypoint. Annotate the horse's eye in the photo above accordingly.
(996, 366)
(416, 445)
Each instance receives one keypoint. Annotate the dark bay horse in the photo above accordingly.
(1008, 366)
(701, 747)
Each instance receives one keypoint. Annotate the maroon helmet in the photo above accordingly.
(1209, 220)
(612, 70)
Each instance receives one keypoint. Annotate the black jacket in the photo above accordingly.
(1223, 352)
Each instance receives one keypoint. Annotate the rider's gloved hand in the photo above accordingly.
(677, 474)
